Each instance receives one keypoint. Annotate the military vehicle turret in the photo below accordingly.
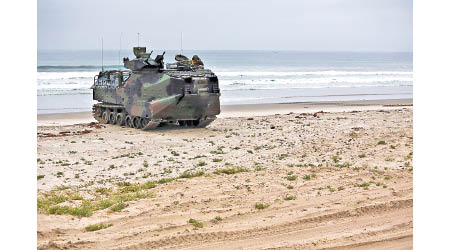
(150, 93)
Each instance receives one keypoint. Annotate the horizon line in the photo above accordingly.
(275, 50)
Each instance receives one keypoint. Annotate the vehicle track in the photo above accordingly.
(217, 239)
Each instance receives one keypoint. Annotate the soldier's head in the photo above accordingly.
(195, 57)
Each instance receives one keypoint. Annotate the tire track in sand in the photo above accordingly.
(193, 239)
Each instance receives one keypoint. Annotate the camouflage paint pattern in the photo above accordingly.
(156, 93)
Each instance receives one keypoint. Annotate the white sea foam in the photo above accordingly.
(65, 75)
(308, 73)
(50, 83)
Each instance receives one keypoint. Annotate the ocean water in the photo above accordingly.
(245, 77)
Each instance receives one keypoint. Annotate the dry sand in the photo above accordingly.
(327, 179)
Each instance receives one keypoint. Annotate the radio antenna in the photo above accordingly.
(120, 47)
(102, 53)
(181, 42)
(138, 38)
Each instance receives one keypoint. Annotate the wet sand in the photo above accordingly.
(268, 176)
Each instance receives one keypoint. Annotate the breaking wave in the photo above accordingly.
(79, 82)
(76, 68)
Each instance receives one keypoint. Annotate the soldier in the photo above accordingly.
(196, 61)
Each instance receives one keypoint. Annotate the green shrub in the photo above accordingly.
(196, 223)
(231, 170)
(97, 227)
(291, 177)
(289, 197)
(259, 205)
(188, 174)
(118, 207)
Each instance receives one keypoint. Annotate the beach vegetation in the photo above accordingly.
(96, 227)
(103, 198)
(219, 150)
(381, 143)
(188, 174)
(165, 180)
(260, 205)
(40, 177)
(343, 165)
(291, 177)
(364, 185)
(290, 187)
(290, 197)
(282, 156)
(118, 207)
(409, 156)
(336, 158)
(259, 168)
(85, 210)
(231, 170)
(195, 222)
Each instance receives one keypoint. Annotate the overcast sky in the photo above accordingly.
(308, 25)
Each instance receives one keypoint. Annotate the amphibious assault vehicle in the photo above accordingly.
(150, 93)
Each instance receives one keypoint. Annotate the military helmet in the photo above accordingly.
(195, 57)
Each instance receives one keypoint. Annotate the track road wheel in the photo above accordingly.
(105, 117)
(112, 117)
(129, 121)
(136, 122)
(120, 119)
(144, 122)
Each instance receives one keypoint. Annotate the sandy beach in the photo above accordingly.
(324, 175)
